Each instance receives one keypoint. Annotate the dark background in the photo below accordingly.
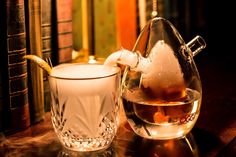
(215, 22)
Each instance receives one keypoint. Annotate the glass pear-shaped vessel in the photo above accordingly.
(162, 93)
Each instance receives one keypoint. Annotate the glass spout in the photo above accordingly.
(123, 56)
(196, 45)
(128, 58)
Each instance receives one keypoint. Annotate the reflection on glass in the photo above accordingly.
(182, 147)
(109, 152)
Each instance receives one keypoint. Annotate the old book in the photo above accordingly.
(171, 9)
(147, 9)
(62, 39)
(77, 25)
(79, 30)
(85, 30)
(35, 73)
(15, 107)
(91, 26)
(46, 26)
(105, 29)
(126, 23)
(46, 14)
(141, 14)
(88, 43)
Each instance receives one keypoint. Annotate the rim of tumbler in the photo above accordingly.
(115, 72)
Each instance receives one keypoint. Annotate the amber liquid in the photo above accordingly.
(161, 119)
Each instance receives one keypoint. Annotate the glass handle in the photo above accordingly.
(196, 45)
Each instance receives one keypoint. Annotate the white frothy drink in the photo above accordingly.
(85, 104)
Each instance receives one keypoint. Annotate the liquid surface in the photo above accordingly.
(161, 119)
(82, 71)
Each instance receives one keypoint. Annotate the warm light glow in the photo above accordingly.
(195, 106)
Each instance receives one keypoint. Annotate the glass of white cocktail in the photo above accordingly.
(84, 105)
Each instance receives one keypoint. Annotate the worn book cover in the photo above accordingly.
(14, 95)
(126, 19)
(105, 28)
(77, 25)
(46, 26)
(62, 39)
(34, 47)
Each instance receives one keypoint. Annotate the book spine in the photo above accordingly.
(167, 10)
(173, 16)
(126, 23)
(3, 42)
(86, 42)
(13, 66)
(91, 26)
(81, 26)
(149, 10)
(46, 46)
(46, 28)
(62, 31)
(105, 30)
(77, 27)
(161, 8)
(85, 37)
(141, 14)
(34, 47)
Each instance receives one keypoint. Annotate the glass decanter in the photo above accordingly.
(161, 87)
